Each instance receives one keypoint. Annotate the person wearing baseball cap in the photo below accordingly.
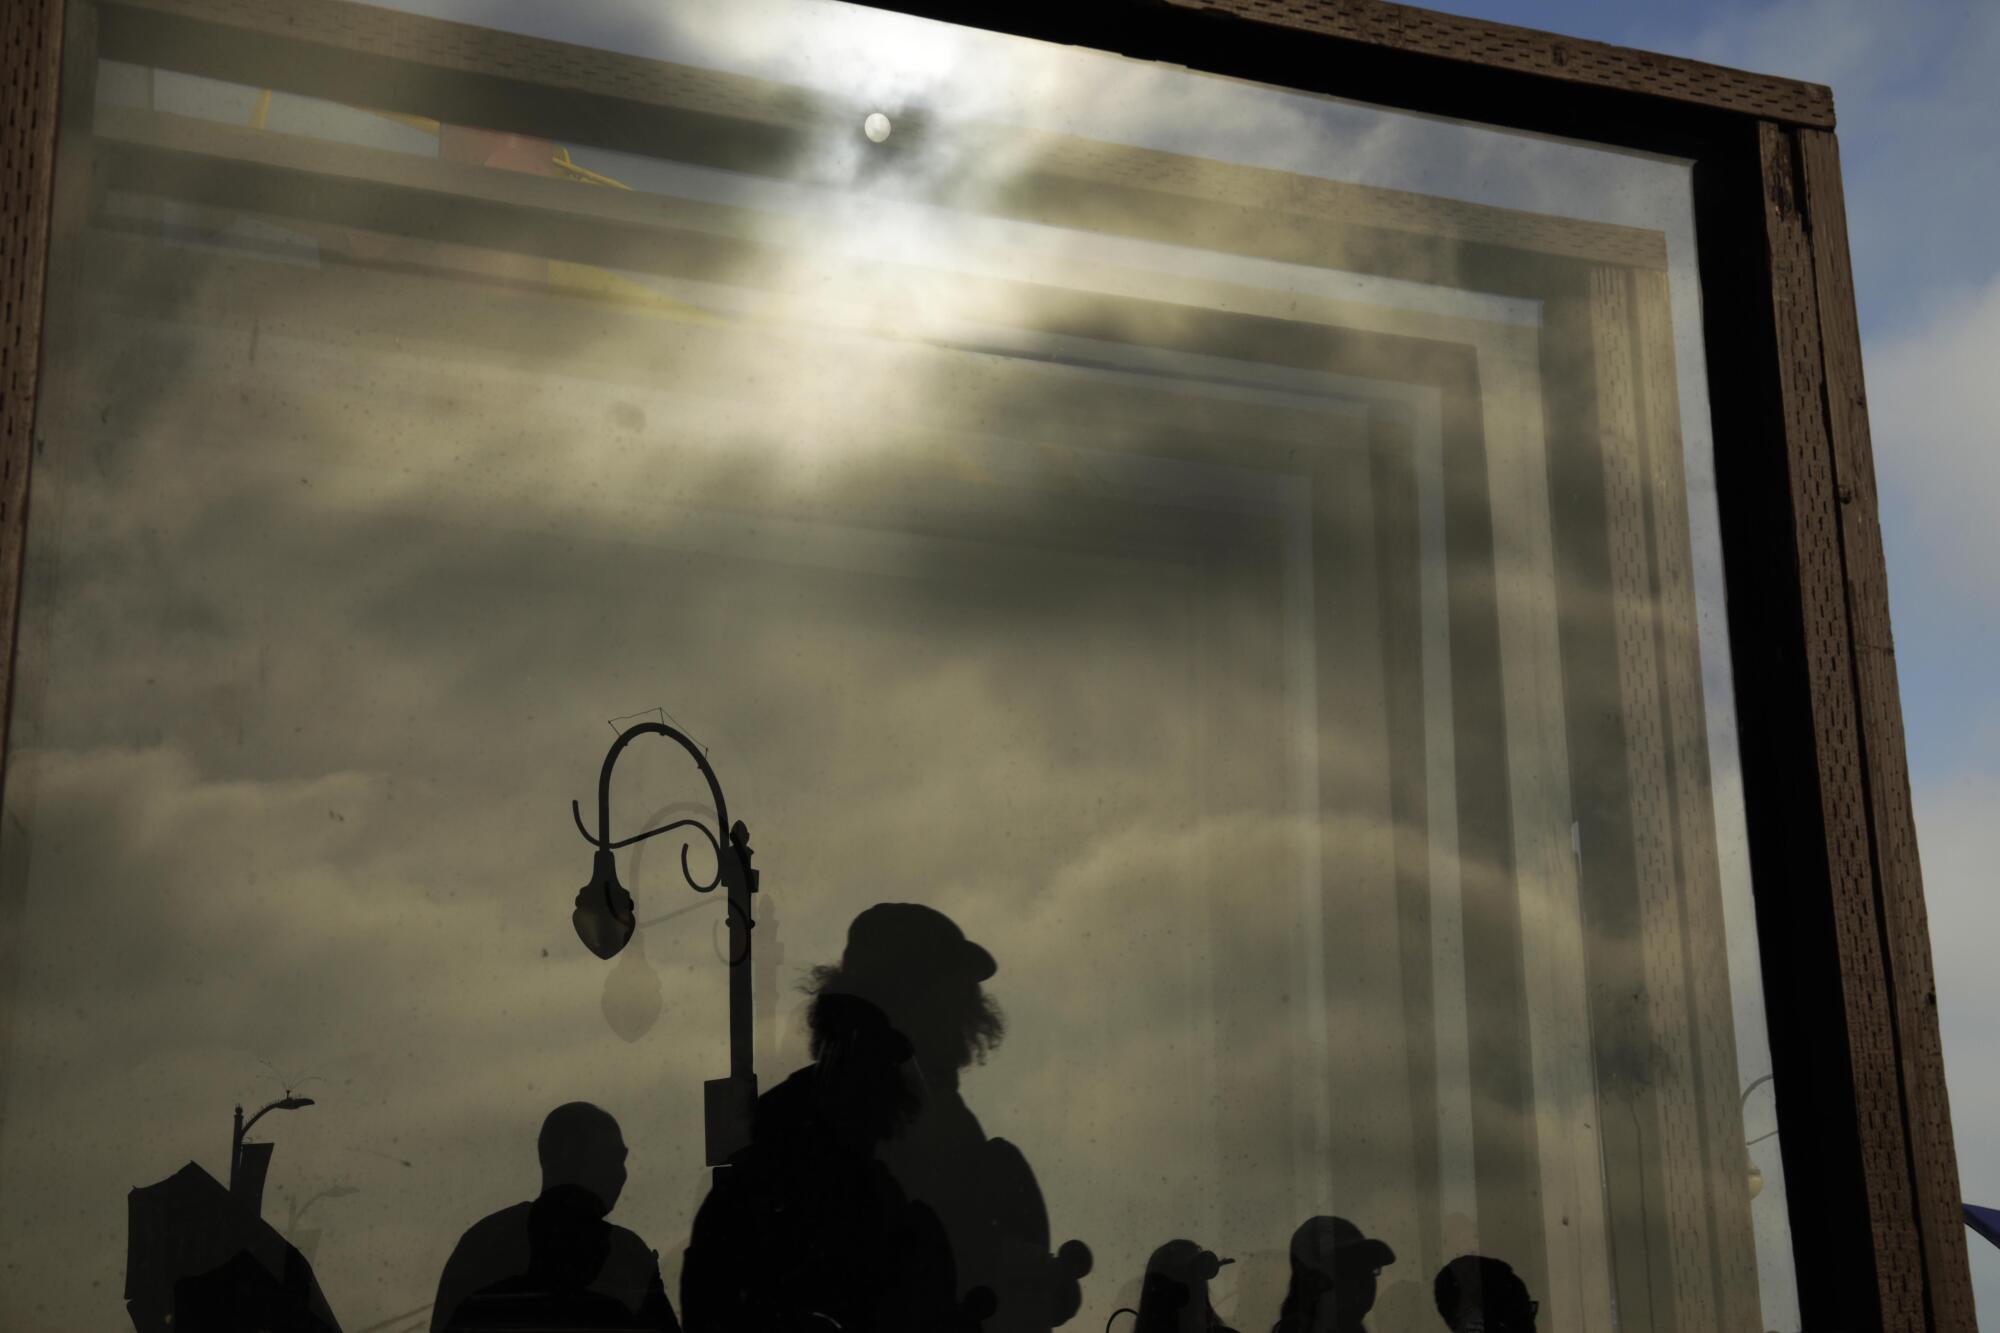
(1174, 1296)
(1334, 1272)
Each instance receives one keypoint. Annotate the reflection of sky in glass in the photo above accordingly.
(1053, 630)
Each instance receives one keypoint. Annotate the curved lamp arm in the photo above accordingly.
(603, 840)
(282, 1104)
(1743, 1104)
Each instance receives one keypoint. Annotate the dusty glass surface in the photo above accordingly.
(1246, 562)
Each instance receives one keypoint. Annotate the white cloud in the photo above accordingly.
(1960, 842)
(1934, 409)
(1854, 45)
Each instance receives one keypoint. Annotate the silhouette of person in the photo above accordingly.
(806, 1229)
(1174, 1295)
(1334, 1271)
(568, 1244)
(555, 1262)
(916, 965)
(1476, 1294)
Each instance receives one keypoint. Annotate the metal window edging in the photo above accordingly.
(1861, 1097)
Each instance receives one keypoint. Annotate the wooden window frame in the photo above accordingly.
(1868, 1151)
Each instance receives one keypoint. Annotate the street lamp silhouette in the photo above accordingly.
(248, 1162)
(1742, 1104)
(605, 919)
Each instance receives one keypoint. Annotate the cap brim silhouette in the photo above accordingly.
(1322, 1240)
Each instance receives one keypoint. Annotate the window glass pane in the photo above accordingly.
(1239, 568)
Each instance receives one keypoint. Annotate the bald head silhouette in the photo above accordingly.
(581, 1146)
(1477, 1294)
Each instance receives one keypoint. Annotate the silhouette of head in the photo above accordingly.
(1476, 1294)
(1334, 1270)
(864, 1079)
(580, 1145)
(916, 964)
(1174, 1296)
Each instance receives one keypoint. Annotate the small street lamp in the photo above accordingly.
(605, 919)
(1742, 1103)
(249, 1162)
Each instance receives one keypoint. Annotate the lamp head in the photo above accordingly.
(603, 918)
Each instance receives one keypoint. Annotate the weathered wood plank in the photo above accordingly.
(1905, 927)
(30, 81)
(1841, 765)
(1468, 42)
(31, 101)
(1528, 51)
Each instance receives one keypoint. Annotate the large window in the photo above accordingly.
(1248, 560)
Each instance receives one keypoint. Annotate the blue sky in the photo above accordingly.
(1917, 90)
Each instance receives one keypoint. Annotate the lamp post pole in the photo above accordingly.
(605, 919)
